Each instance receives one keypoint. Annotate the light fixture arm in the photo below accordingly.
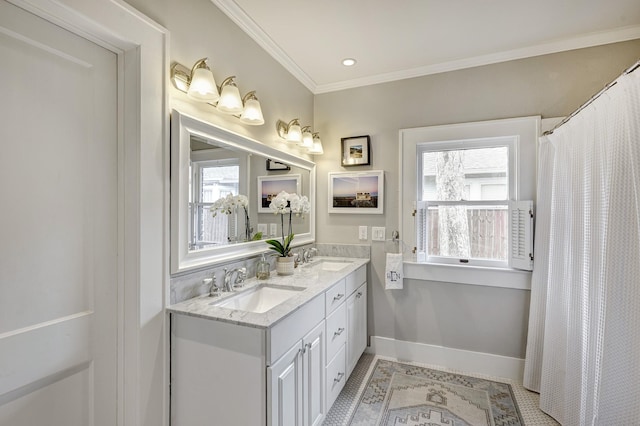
(249, 95)
(200, 63)
(229, 81)
(283, 128)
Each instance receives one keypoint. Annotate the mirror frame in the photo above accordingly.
(182, 127)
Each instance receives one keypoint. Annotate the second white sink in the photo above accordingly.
(260, 298)
(330, 265)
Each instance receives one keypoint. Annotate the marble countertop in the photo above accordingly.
(311, 276)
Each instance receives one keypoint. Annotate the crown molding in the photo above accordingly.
(580, 42)
(249, 26)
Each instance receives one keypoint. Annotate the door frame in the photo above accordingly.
(141, 47)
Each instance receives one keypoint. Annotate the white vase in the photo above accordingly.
(285, 265)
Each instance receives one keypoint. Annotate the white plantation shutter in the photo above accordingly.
(421, 230)
(521, 238)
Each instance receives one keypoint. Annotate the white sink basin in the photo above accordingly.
(260, 298)
(331, 265)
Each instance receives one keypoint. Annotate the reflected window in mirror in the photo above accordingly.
(210, 181)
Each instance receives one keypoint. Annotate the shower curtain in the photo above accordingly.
(583, 348)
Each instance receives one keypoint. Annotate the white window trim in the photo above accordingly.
(528, 130)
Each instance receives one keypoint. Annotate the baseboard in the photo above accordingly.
(456, 359)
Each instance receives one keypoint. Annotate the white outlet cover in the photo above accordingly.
(377, 233)
(362, 233)
(262, 227)
(273, 229)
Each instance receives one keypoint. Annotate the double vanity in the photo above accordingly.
(272, 352)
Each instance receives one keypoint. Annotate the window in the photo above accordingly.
(459, 192)
(464, 192)
(211, 180)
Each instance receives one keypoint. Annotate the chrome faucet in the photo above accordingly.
(307, 254)
(241, 275)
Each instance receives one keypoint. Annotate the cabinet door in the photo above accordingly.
(314, 376)
(284, 395)
(356, 326)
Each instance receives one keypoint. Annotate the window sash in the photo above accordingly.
(476, 247)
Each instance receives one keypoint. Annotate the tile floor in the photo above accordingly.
(342, 408)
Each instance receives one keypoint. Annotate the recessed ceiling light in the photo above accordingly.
(348, 62)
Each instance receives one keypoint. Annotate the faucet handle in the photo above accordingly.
(214, 290)
(242, 274)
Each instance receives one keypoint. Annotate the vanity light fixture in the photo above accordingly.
(301, 136)
(294, 131)
(316, 148)
(252, 113)
(230, 101)
(307, 138)
(199, 84)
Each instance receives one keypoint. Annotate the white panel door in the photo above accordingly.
(356, 326)
(313, 377)
(58, 226)
(284, 389)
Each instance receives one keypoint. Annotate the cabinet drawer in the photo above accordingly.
(336, 330)
(355, 279)
(336, 376)
(281, 336)
(335, 296)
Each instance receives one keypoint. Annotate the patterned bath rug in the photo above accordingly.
(402, 394)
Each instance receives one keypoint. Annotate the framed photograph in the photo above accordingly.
(270, 186)
(358, 192)
(276, 165)
(356, 151)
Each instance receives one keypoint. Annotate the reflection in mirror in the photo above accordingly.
(214, 174)
(211, 168)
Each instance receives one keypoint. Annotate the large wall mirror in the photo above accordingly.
(210, 165)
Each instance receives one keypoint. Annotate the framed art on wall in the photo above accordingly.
(356, 151)
(270, 186)
(357, 192)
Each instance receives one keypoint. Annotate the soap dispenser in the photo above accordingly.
(263, 269)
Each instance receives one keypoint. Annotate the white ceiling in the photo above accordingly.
(392, 40)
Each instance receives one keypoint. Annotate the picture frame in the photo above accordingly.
(273, 165)
(356, 192)
(356, 151)
(270, 186)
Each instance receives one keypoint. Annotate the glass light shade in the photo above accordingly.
(294, 133)
(307, 139)
(203, 86)
(252, 113)
(230, 101)
(316, 148)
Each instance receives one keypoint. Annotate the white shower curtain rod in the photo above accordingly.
(629, 70)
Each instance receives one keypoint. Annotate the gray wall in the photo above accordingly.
(460, 316)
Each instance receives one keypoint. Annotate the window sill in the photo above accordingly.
(472, 275)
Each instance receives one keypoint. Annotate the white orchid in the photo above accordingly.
(285, 203)
(242, 201)
(280, 203)
(300, 205)
(228, 204)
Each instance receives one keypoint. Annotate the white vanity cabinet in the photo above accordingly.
(287, 372)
